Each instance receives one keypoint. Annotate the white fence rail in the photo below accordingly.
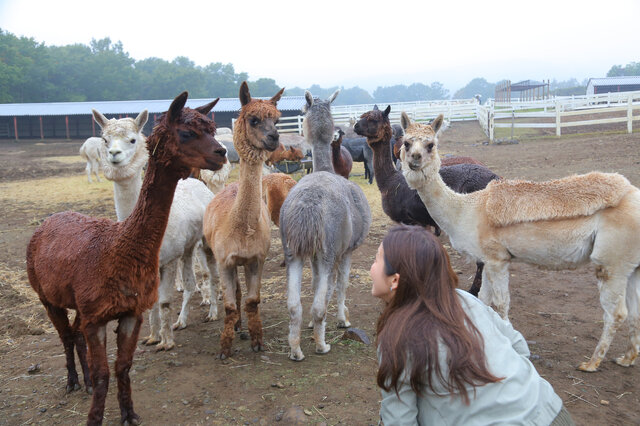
(558, 112)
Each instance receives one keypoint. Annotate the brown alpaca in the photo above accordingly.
(452, 161)
(340, 156)
(281, 153)
(108, 270)
(275, 188)
(236, 223)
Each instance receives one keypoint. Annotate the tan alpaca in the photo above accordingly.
(559, 224)
(237, 223)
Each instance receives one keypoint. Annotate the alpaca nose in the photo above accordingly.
(114, 151)
(273, 136)
(220, 151)
(416, 156)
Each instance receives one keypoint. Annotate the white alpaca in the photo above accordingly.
(215, 180)
(559, 224)
(124, 155)
(90, 151)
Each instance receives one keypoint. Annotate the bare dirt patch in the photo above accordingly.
(558, 312)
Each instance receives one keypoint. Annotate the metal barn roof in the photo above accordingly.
(286, 103)
(614, 81)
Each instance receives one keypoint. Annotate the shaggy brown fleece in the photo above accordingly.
(275, 188)
(516, 201)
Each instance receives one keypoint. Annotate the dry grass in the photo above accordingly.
(55, 190)
(68, 159)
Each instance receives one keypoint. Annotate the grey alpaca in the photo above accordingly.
(325, 217)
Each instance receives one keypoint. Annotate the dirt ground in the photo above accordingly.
(558, 312)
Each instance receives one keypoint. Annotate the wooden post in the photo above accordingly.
(66, 125)
(630, 114)
(15, 126)
(558, 132)
(41, 132)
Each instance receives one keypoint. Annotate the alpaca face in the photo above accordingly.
(198, 147)
(420, 141)
(337, 137)
(318, 121)
(262, 132)
(374, 125)
(121, 142)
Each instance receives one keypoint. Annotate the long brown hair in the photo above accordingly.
(423, 313)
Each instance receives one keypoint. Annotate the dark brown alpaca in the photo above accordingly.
(108, 270)
(340, 157)
(401, 203)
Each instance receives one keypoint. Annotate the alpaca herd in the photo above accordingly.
(182, 210)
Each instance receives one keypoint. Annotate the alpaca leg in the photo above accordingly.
(253, 275)
(294, 283)
(319, 306)
(88, 170)
(205, 267)
(128, 330)
(58, 317)
(229, 280)
(341, 284)
(81, 349)
(96, 169)
(214, 291)
(179, 274)
(495, 289)
(189, 280)
(633, 306)
(238, 324)
(154, 326)
(477, 281)
(315, 278)
(96, 338)
(165, 291)
(612, 298)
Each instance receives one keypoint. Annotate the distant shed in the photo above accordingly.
(613, 84)
(73, 120)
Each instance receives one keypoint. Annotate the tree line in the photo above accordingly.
(104, 71)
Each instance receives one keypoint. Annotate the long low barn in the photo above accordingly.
(73, 120)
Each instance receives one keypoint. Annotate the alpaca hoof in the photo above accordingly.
(179, 325)
(243, 335)
(283, 264)
(257, 348)
(131, 419)
(90, 390)
(310, 325)
(224, 354)
(211, 317)
(623, 361)
(165, 347)
(72, 387)
(148, 341)
(320, 350)
(588, 366)
(296, 355)
(344, 324)
(205, 302)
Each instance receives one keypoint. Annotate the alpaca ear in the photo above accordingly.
(100, 119)
(308, 97)
(405, 121)
(205, 109)
(141, 119)
(277, 97)
(333, 96)
(387, 111)
(436, 124)
(375, 107)
(175, 110)
(245, 96)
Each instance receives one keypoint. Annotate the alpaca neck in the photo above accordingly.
(448, 208)
(146, 224)
(383, 168)
(248, 203)
(125, 194)
(336, 157)
(322, 158)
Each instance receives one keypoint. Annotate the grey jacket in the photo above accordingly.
(522, 398)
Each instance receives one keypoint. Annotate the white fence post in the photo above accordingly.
(300, 125)
(558, 132)
(630, 114)
(490, 123)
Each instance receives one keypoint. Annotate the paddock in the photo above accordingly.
(558, 312)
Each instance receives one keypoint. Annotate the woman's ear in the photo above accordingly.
(395, 278)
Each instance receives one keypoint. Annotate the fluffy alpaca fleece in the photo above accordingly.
(90, 151)
(516, 201)
(275, 188)
(603, 231)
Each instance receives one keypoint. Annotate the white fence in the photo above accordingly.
(556, 113)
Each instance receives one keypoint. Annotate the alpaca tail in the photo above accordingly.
(302, 231)
(83, 154)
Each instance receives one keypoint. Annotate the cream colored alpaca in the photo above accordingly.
(559, 224)
(236, 222)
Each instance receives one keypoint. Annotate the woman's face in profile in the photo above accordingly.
(383, 285)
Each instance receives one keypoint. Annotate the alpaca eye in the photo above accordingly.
(132, 141)
(430, 146)
(406, 145)
(184, 136)
(254, 121)
(106, 142)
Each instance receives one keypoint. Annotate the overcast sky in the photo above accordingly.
(348, 43)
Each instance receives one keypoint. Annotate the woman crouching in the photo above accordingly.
(445, 357)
